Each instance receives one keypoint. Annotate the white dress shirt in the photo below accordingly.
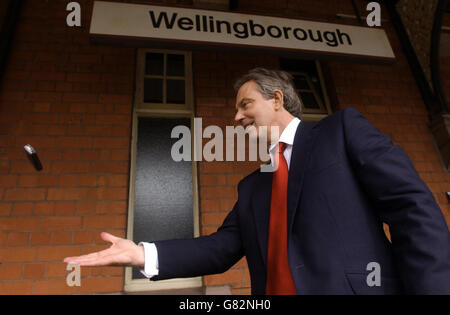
(151, 267)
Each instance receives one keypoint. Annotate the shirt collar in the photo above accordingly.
(288, 134)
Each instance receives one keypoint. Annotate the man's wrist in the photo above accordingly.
(140, 260)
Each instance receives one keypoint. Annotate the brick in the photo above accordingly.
(56, 253)
(28, 180)
(53, 287)
(90, 155)
(48, 180)
(107, 194)
(215, 219)
(23, 208)
(228, 277)
(98, 131)
(12, 96)
(218, 192)
(209, 205)
(5, 209)
(44, 208)
(120, 155)
(56, 270)
(111, 271)
(113, 120)
(16, 287)
(56, 130)
(15, 255)
(111, 143)
(69, 180)
(79, 98)
(74, 142)
(62, 223)
(113, 180)
(8, 180)
(83, 237)
(67, 194)
(109, 167)
(41, 238)
(48, 76)
(88, 180)
(83, 77)
(10, 272)
(33, 271)
(64, 207)
(62, 238)
(19, 224)
(85, 207)
(18, 239)
(3, 237)
(111, 98)
(208, 180)
(85, 58)
(25, 194)
(111, 207)
(100, 285)
(63, 86)
(102, 222)
(70, 167)
(43, 97)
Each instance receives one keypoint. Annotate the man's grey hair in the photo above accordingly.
(270, 80)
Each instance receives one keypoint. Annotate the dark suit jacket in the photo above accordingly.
(345, 179)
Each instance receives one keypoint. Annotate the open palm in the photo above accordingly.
(122, 252)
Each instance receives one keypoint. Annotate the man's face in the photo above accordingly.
(253, 109)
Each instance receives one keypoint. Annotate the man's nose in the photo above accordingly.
(239, 116)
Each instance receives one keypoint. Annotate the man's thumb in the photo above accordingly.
(108, 237)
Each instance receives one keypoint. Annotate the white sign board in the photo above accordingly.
(217, 27)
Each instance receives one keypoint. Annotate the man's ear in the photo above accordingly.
(278, 99)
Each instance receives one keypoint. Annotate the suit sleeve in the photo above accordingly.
(419, 234)
(204, 255)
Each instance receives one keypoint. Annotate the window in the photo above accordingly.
(310, 87)
(163, 202)
(164, 82)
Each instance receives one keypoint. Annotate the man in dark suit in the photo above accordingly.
(315, 225)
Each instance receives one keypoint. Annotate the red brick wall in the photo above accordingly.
(73, 100)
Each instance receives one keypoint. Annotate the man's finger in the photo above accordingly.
(91, 256)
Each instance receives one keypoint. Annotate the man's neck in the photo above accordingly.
(282, 123)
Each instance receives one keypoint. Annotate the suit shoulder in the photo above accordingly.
(249, 179)
(341, 116)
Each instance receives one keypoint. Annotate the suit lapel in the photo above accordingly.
(261, 196)
(300, 153)
(261, 209)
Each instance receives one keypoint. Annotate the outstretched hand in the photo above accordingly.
(122, 252)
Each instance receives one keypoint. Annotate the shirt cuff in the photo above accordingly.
(151, 267)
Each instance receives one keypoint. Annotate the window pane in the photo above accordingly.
(153, 90)
(154, 64)
(175, 65)
(300, 82)
(175, 91)
(309, 101)
(163, 201)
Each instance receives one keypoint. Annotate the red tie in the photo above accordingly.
(279, 277)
